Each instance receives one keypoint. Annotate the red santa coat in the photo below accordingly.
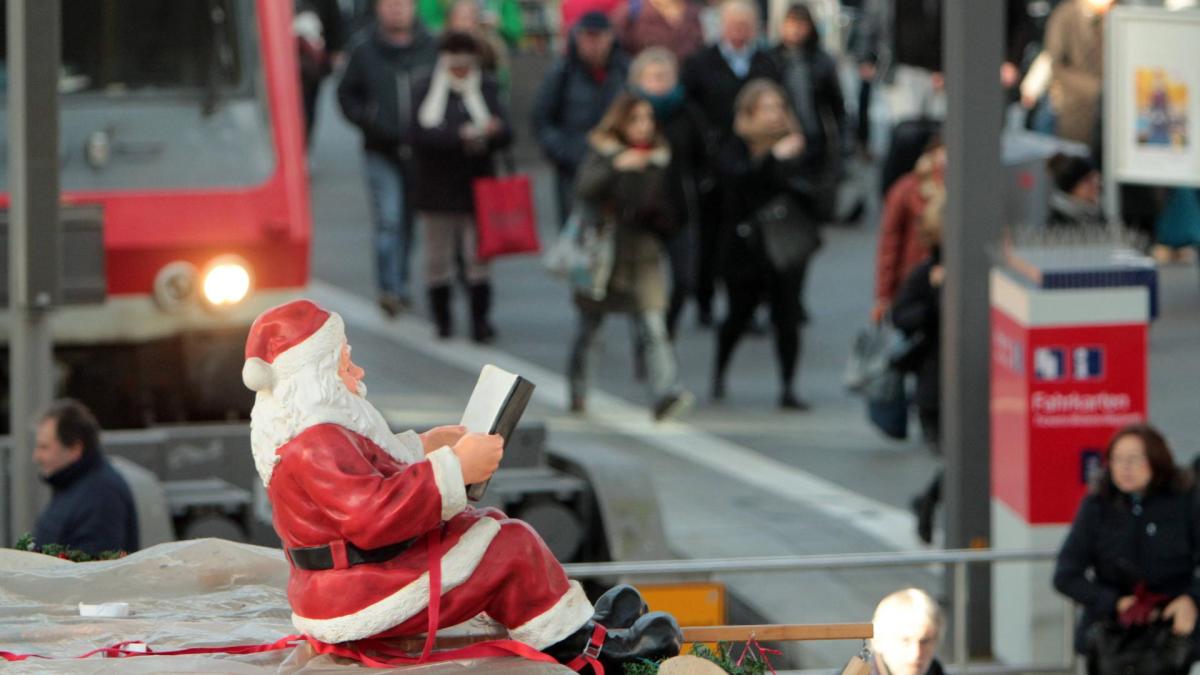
(333, 485)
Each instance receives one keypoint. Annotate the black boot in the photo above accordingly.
(439, 309)
(619, 607)
(481, 306)
(654, 636)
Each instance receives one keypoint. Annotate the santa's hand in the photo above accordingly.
(441, 437)
(479, 456)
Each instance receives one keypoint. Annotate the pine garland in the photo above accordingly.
(754, 664)
(26, 543)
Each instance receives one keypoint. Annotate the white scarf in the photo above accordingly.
(433, 108)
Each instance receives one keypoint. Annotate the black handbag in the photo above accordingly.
(785, 235)
(1150, 649)
(907, 353)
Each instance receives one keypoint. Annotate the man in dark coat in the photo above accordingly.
(574, 95)
(713, 77)
(92, 509)
(376, 96)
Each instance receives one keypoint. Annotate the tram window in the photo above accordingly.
(115, 46)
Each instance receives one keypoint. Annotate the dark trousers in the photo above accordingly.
(782, 292)
(708, 236)
(682, 252)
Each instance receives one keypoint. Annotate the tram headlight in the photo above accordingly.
(175, 286)
(226, 281)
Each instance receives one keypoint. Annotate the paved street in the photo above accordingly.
(771, 482)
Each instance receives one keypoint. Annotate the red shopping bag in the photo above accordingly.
(505, 219)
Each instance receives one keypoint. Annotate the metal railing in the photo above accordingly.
(957, 560)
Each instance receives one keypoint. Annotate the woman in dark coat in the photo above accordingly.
(810, 76)
(917, 313)
(1135, 543)
(460, 125)
(765, 161)
(654, 76)
(624, 181)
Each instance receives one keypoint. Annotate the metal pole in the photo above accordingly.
(960, 616)
(33, 71)
(973, 31)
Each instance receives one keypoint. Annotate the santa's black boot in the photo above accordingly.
(653, 637)
(619, 607)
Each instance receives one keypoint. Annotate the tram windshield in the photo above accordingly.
(124, 46)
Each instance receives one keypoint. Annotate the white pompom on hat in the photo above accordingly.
(286, 337)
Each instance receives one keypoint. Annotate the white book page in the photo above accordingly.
(491, 391)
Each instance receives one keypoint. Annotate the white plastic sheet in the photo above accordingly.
(198, 593)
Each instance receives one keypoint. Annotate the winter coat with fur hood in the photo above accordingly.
(636, 204)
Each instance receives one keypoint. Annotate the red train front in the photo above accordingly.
(181, 126)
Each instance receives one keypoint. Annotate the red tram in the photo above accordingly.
(181, 127)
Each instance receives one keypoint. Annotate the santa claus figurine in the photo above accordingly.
(364, 514)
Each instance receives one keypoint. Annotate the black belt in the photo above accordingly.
(316, 558)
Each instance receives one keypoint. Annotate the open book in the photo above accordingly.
(495, 407)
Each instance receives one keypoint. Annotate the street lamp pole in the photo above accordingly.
(34, 53)
(974, 32)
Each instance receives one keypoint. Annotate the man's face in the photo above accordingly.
(909, 649)
(395, 15)
(594, 46)
(348, 371)
(737, 28)
(464, 18)
(50, 455)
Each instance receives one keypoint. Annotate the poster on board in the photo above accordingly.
(1152, 94)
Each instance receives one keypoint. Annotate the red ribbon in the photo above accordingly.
(375, 653)
(762, 654)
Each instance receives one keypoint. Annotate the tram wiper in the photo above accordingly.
(220, 62)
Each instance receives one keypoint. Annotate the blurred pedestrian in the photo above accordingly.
(1075, 44)
(712, 78)
(917, 313)
(654, 76)
(674, 24)
(315, 60)
(1130, 556)
(501, 16)
(901, 47)
(460, 126)
(763, 167)
(908, 625)
(810, 77)
(901, 248)
(376, 96)
(1075, 191)
(465, 17)
(574, 94)
(91, 509)
(625, 180)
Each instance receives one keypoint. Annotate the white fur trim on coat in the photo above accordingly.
(447, 473)
(458, 564)
(553, 625)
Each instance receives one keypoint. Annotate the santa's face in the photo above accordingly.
(350, 373)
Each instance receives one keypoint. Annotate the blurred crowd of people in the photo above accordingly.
(709, 141)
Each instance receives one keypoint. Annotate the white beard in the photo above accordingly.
(316, 395)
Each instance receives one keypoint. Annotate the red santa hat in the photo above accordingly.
(286, 338)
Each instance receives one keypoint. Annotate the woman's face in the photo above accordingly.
(794, 31)
(1130, 468)
(639, 126)
(657, 79)
(769, 110)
